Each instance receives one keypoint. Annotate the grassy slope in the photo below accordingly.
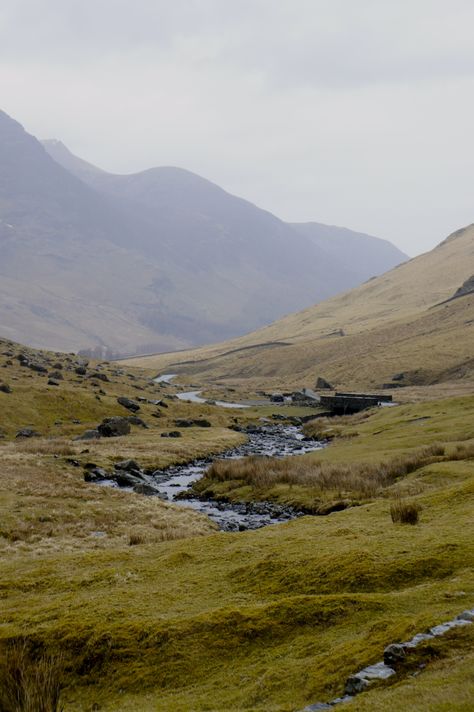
(389, 323)
(268, 620)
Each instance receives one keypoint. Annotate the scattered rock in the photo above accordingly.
(172, 434)
(80, 370)
(135, 420)
(52, 382)
(88, 435)
(56, 375)
(128, 465)
(394, 654)
(147, 489)
(114, 427)
(322, 385)
(27, 433)
(128, 403)
(97, 474)
(37, 367)
(277, 398)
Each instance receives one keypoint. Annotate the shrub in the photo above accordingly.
(29, 684)
(405, 512)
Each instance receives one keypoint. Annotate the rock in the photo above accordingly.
(355, 685)
(394, 654)
(37, 367)
(128, 404)
(52, 382)
(157, 414)
(172, 434)
(80, 370)
(114, 427)
(126, 479)
(96, 475)
(135, 420)
(88, 435)
(58, 366)
(27, 433)
(4, 388)
(323, 385)
(128, 465)
(146, 489)
(99, 376)
(182, 423)
(202, 423)
(57, 375)
(466, 616)
(277, 398)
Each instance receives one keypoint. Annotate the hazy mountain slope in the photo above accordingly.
(390, 324)
(204, 223)
(157, 260)
(364, 255)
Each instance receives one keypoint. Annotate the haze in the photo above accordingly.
(356, 114)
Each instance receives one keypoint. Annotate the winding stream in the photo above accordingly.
(278, 441)
(175, 483)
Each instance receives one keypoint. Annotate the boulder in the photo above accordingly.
(128, 465)
(135, 420)
(88, 435)
(97, 474)
(394, 654)
(146, 488)
(114, 427)
(5, 388)
(52, 382)
(27, 433)
(183, 423)
(37, 367)
(202, 423)
(57, 375)
(128, 404)
(126, 479)
(322, 385)
(80, 370)
(172, 434)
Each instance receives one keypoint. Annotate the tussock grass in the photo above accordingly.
(360, 479)
(30, 683)
(405, 512)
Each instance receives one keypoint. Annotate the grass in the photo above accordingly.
(392, 325)
(153, 610)
(30, 682)
(405, 512)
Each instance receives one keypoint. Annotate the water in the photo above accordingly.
(278, 441)
(194, 396)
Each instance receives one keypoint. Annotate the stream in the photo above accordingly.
(278, 441)
(175, 483)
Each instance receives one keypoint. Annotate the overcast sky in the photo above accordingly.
(349, 112)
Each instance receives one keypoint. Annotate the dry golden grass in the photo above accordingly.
(30, 682)
(404, 512)
(390, 326)
(356, 479)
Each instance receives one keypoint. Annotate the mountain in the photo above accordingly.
(401, 328)
(157, 260)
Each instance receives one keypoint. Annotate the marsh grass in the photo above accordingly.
(360, 479)
(30, 683)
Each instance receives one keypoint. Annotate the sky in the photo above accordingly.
(353, 113)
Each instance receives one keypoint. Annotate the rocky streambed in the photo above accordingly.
(175, 483)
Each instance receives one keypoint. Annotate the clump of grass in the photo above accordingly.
(136, 539)
(403, 512)
(29, 684)
(361, 479)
